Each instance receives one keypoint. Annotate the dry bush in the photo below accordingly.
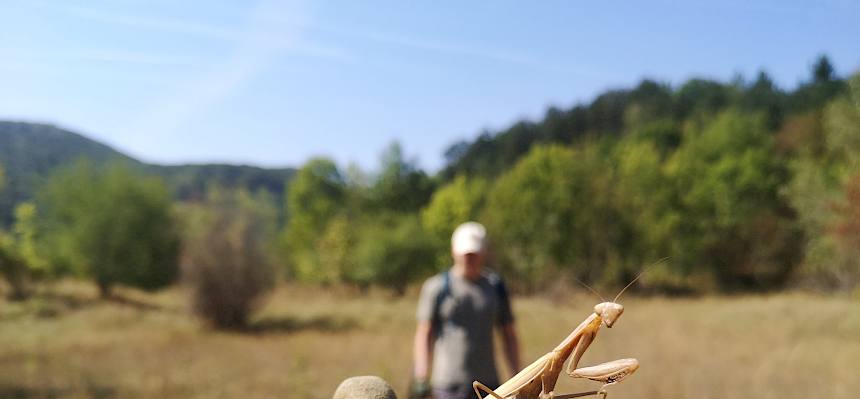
(225, 259)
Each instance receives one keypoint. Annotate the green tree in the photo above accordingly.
(12, 267)
(335, 248)
(459, 201)
(764, 96)
(645, 198)
(529, 210)
(728, 177)
(698, 96)
(822, 71)
(392, 252)
(650, 102)
(27, 232)
(112, 225)
(822, 87)
(553, 212)
(401, 186)
(843, 268)
(822, 193)
(20, 259)
(316, 195)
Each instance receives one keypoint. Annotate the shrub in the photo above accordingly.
(20, 260)
(225, 257)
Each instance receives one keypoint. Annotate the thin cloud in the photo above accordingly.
(134, 58)
(766, 8)
(157, 24)
(459, 49)
(97, 56)
(428, 45)
(195, 29)
(167, 25)
(250, 58)
(253, 46)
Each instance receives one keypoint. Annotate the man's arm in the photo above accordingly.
(511, 347)
(505, 320)
(422, 350)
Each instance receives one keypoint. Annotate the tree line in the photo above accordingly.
(739, 185)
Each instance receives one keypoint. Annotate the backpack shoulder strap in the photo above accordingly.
(498, 286)
(502, 296)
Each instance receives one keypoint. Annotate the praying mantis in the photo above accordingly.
(537, 380)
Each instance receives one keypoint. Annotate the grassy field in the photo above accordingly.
(305, 341)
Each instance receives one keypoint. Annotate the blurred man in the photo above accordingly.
(456, 314)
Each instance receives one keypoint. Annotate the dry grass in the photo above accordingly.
(71, 345)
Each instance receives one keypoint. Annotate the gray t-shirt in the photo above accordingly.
(463, 328)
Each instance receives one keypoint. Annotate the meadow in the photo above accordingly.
(67, 343)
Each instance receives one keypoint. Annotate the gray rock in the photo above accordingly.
(364, 387)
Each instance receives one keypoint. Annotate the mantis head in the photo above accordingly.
(609, 312)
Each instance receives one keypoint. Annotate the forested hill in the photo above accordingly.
(651, 108)
(30, 152)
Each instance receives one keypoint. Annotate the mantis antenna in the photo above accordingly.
(589, 288)
(637, 277)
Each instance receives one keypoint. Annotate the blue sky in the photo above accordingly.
(274, 83)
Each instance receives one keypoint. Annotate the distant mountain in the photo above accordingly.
(30, 152)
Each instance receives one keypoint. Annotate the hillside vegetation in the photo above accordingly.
(30, 152)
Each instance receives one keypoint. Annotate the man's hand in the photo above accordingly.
(511, 347)
(423, 348)
(420, 389)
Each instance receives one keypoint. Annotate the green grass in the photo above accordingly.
(305, 341)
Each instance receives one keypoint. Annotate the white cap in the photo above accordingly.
(469, 237)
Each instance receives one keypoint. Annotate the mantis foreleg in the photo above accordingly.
(585, 340)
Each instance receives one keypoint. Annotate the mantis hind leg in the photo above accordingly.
(602, 392)
(551, 395)
(575, 395)
(477, 385)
